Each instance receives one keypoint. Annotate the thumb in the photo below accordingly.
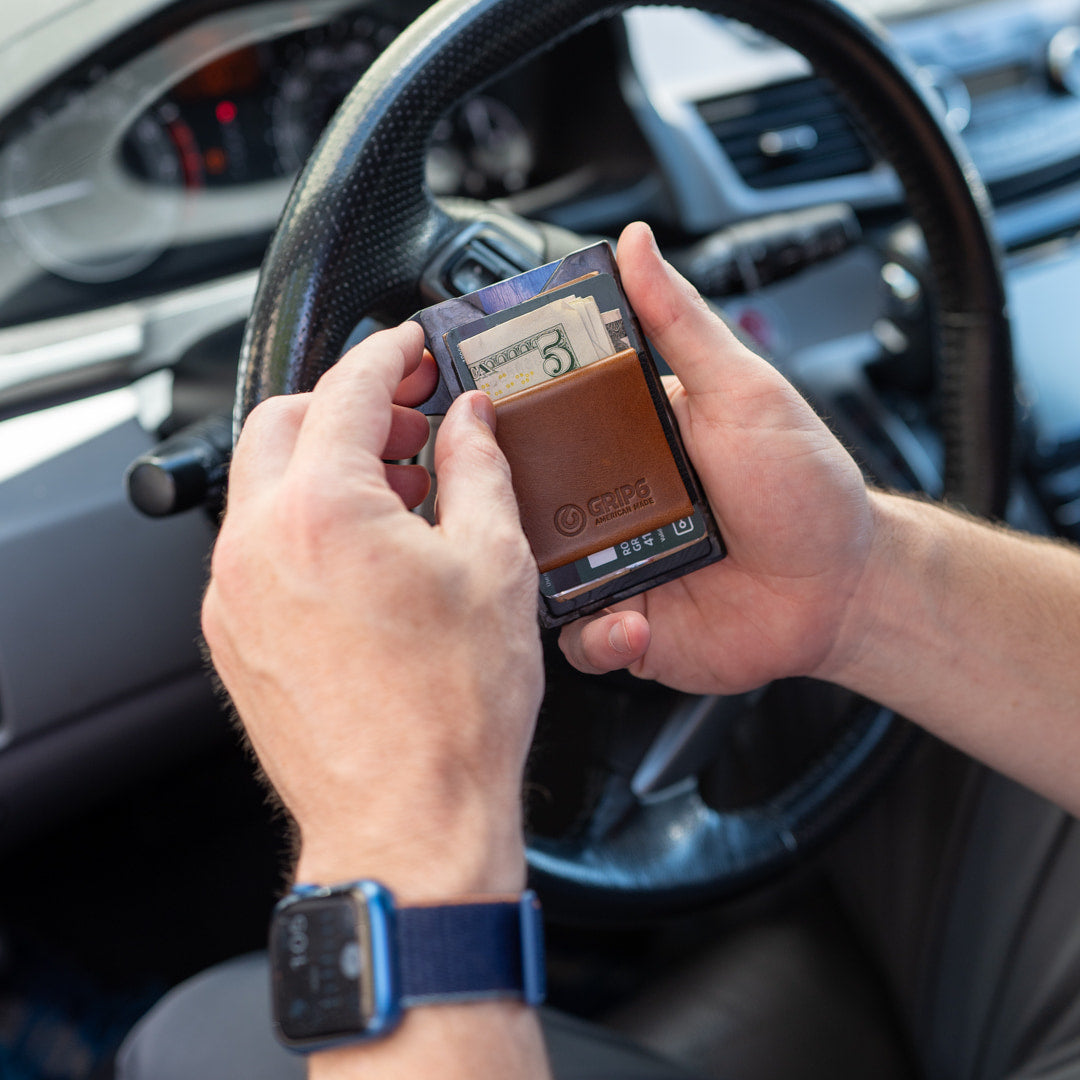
(688, 334)
(609, 642)
(476, 498)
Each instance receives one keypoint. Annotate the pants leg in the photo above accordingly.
(1006, 998)
(216, 1026)
(964, 885)
(967, 887)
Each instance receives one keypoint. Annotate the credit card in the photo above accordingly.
(592, 570)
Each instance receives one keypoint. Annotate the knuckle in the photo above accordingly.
(482, 451)
(316, 512)
(230, 570)
(695, 313)
(208, 608)
(305, 512)
(507, 545)
(228, 560)
(338, 376)
(211, 621)
(273, 411)
(570, 644)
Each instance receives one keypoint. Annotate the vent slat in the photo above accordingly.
(739, 121)
(831, 131)
(812, 111)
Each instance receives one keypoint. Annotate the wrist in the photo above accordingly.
(351, 961)
(898, 594)
(902, 549)
(424, 856)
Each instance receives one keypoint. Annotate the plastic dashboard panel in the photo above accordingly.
(124, 592)
(101, 675)
(64, 35)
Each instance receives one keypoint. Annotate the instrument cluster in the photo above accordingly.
(256, 113)
(108, 176)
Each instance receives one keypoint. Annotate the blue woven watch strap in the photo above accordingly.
(471, 951)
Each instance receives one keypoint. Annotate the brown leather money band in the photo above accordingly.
(590, 461)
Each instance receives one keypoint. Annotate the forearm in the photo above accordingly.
(974, 633)
(388, 674)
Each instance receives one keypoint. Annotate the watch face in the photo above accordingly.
(322, 969)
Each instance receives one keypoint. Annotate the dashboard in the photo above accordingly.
(147, 148)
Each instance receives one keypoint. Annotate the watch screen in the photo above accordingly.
(320, 949)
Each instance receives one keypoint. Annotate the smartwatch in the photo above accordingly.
(346, 961)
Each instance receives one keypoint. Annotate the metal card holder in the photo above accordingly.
(550, 423)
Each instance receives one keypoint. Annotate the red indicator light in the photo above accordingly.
(225, 112)
(758, 326)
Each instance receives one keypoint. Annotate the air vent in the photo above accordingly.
(790, 133)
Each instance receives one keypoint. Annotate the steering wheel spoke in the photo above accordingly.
(689, 741)
(696, 731)
(486, 246)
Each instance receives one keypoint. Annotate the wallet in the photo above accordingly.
(608, 498)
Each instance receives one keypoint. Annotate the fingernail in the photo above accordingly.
(482, 409)
(652, 238)
(619, 639)
(665, 265)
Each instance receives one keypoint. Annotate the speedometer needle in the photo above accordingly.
(39, 200)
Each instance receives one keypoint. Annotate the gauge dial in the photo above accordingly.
(481, 150)
(497, 148)
(67, 191)
(321, 67)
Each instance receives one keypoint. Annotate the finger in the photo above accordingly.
(408, 432)
(419, 384)
(349, 419)
(475, 493)
(609, 642)
(411, 482)
(689, 336)
(266, 443)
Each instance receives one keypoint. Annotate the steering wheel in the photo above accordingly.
(363, 235)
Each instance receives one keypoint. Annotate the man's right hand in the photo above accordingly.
(791, 504)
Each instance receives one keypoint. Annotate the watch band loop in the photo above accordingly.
(471, 951)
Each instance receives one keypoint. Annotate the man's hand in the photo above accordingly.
(791, 504)
(388, 672)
